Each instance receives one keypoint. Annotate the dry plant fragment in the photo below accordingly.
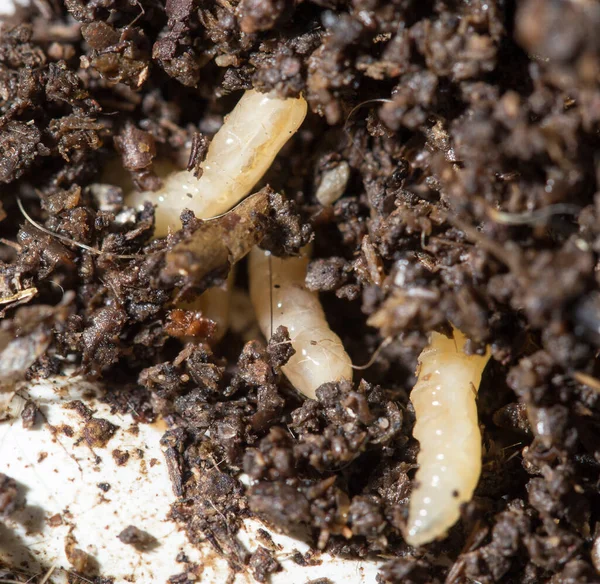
(18, 353)
(238, 156)
(189, 324)
(447, 428)
(283, 300)
(21, 296)
(218, 244)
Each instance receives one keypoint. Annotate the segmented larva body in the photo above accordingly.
(320, 356)
(447, 428)
(238, 156)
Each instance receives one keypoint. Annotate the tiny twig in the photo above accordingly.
(587, 380)
(20, 296)
(362, 104)
(70, 241)
(532, 217)
(492, 247)
(49, 573)
(373, 358)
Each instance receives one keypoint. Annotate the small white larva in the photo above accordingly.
(447, 428)
(333, 184)
(320, 356)
(238, 156)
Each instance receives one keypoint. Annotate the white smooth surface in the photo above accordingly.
(59, 474)
(7, 6)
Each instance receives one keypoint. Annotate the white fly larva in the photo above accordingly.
(447, 429)
(333, 184)
(238, 156)
(320, 356)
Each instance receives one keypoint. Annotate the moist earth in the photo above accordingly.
(471, 134)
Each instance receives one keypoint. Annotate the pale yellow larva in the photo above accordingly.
(280, 297)
(447, 429)
(238, 156)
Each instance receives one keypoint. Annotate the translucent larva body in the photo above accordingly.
(320, 356)
(239, 155)
(444, 399)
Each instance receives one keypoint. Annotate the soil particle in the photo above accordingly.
(262, 563)
(212, 510)
(174, 470)
(82, 410)
(98, 431)
(23, 340)
(121, 457)
(200, 144)
(29, 414)
(189, 324)
(409, 571)
(55, 521)
(192, 574)
(513, 416)
(326, 275)
(280, 504)
(119, 55)
(101, 339)
(260, 15)
(8, 495)
(309, 558)
(265, 538)
(365, 516)
(138, 149)
(138, 538)
(287, 232)
(80, 561)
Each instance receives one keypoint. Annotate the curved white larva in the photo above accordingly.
(238, 156)
(447, 428)
(320, 356)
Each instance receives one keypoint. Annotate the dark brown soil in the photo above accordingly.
(471, 130)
